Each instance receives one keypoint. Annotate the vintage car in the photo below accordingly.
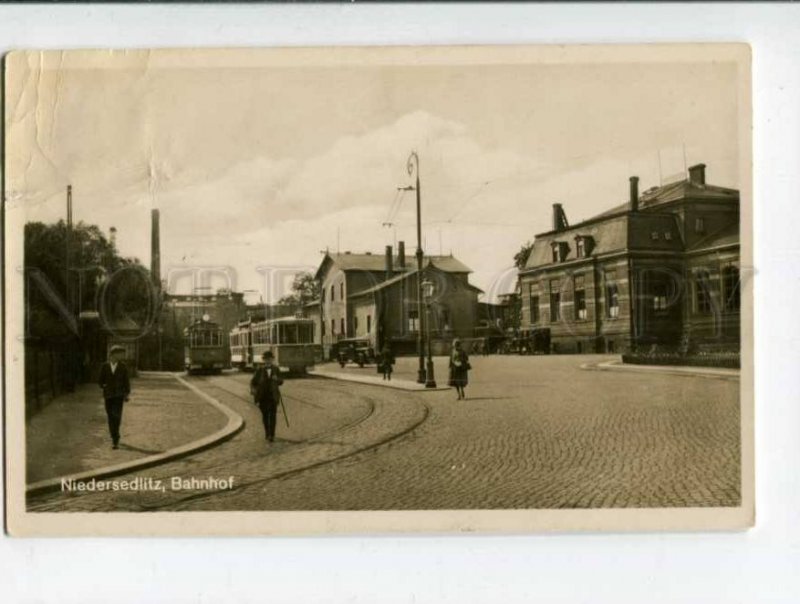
(354, 350)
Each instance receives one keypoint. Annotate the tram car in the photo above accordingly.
(291, 340)
(204, 347)
(241, 344)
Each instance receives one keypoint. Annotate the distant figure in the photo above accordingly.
(116, 390)
(387, 362)
(265, 388)
(459, 368)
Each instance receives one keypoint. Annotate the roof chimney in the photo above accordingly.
(389, 267)
(401, 255)
(697, 174)
(559, 218)
(634, 193)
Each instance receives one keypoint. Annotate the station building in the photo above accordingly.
(374, 296)
(661, 269)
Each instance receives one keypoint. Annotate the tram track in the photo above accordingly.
(317, 439)
(373, 446)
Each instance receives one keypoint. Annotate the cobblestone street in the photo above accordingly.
(535, 432)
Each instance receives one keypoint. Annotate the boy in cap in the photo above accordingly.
(116, 390)
(265, 387)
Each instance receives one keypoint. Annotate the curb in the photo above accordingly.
(704, 372)
(394, 384)
(235, 424)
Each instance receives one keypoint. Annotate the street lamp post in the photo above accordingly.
(427, 287)
(413, 168)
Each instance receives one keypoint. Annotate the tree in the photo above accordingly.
(305, 289)
(100, 279)
(521, 257)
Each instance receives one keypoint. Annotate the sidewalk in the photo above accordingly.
(711, 372)
(404, 376)
(163, 414)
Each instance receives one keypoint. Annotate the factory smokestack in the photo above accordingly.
(155, 250)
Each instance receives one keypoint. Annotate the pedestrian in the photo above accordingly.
(459, 368)
(387, 362)
(116, 387)
(265, 388)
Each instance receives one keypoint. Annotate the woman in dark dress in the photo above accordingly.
(459, 369)
(387, 362)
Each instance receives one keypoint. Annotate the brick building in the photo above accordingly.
(661, 269)
(375, 297)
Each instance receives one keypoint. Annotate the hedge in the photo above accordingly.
(730, 360)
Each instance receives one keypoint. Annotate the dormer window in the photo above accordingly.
(583, 246)
(560, 251)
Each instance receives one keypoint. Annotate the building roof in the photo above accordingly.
(727, 235)
(377, 263)
(685, 188)
(609, 229)
(402, 276)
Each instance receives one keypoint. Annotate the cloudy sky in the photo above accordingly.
(266, 163)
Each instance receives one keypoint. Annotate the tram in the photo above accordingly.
(291, 340)
(204, 347)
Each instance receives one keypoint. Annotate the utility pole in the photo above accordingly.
(68, 250)
(412, 165)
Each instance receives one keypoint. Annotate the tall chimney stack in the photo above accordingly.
(559, 218)
(697, 174)
(155, 250)
(634, 193)
(389, 267)
(401, 255)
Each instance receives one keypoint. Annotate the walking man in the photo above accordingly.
(116, 390)
(265, 388)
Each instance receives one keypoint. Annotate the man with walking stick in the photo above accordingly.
(265, 388)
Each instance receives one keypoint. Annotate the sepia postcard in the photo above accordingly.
(375, 290)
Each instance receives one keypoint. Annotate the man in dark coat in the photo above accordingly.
(116, 390)
(265, 388)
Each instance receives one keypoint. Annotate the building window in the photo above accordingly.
(612, 295)
(580, 247)
(322, 328)
(444, 319)
(699, 225)
(555, 252)
(369, 323)
(341, 291)
(534, 309)
(702, 293)
(355, 325)
(730, 288)
(333, 293)
(333, 327)
(659, 296)
(413, 321)
(342, 327)
(555, 301)
(580, 298)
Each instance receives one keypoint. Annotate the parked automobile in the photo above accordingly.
(354, 350)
